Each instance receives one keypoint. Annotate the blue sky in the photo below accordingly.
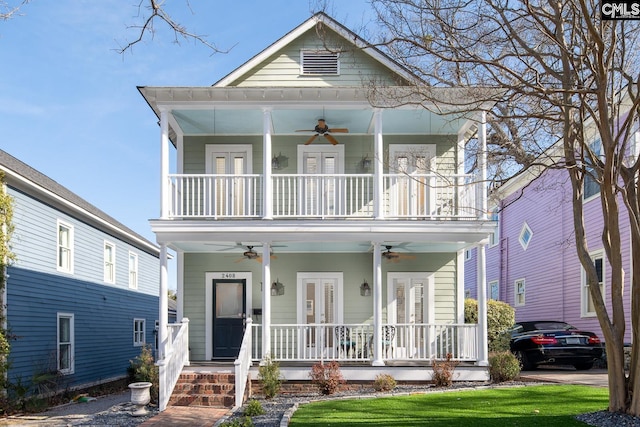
(69, 106)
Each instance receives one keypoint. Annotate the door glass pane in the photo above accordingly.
(311, 303)
(329, 294)
(400, 303)
(229, 300)
(419, 303)
(220, 163)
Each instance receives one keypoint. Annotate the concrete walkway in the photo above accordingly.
(186, 416)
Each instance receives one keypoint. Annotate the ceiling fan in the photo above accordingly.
(323, 129)
(395, 256)
(250, 254)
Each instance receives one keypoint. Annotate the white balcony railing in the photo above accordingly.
(419, 196)
(354, 342)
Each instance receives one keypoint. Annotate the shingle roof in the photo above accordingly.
(10, 163)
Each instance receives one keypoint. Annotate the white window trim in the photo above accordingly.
(111, 279)
(134, 284)
(139, 336)
(60, 268)
(516, 302)
(525, 227)
(494, 239)
(584, 291)
(72, 346)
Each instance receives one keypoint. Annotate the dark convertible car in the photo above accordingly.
(548, 342)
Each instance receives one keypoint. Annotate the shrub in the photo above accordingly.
(253, 408)
(384, 382)
(143, 368)
(270, 378)
(238, 422)
(327, 377)
(503, 366)
(443, 371)
(500, 318)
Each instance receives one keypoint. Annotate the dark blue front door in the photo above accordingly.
(229, 310)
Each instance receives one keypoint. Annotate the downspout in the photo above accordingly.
(378, 180)
(267, 185)
(377, 306)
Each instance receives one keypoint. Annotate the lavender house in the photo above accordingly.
(531, 261)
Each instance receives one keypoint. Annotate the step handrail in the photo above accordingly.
(242, 365)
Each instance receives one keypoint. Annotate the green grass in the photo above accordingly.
(543, 405)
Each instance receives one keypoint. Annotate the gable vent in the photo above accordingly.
(319, 63)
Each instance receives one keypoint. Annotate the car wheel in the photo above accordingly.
(525, 364)
(583, 366)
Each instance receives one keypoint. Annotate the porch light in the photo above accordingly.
(277, 288)
(365, 163)
(365, 289)
(279, 162)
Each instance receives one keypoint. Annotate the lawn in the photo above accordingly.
(540, 405)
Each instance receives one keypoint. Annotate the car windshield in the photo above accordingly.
(552, 325)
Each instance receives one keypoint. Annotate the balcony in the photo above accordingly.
(341, 196)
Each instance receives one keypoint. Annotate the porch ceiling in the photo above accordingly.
(316, 237)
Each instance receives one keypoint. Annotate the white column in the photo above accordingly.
(266, 300)
(482, 166)
(164, 164)
(164, 305)
(377, 306)
(483, 347)
(378, 178)
(267, 185)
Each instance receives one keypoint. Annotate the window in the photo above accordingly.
(525, 236)
(133, 270)
(588, 308)
(467, 293)
(519, 292)
(138, 332)
(495, 236)
(494, 290)
(65, 348)
(591, 187)
(467, 254)
(319, 63)
(109, 262)
(65, 247)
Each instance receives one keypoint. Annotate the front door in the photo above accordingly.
(229, 296)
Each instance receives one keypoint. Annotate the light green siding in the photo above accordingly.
(355, 269)
(283, 67)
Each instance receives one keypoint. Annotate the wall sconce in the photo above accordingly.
(279, 162)
(365, 163)
(365, 289)
(277, 288)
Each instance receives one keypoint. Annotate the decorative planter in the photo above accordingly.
(140, 396)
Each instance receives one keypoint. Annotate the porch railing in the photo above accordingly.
(354, 342)
(242, 365)
(425, 196)
(175, 358)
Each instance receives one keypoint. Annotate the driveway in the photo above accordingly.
(568, 375)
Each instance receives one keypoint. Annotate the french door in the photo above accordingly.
(410, 310)
(229, 189)
(319, 306)
(321, 190)
(410, 167)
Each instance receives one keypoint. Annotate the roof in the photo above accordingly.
(27, 179)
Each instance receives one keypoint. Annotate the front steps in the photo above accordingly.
(213, 389)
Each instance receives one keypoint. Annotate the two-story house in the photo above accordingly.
(82, 293)
(331, 215)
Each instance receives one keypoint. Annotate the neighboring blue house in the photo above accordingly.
(531, 261)
(82, 294)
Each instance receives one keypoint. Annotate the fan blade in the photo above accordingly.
(310, 140)
(305, 130)
(331, 139)
(339, 130)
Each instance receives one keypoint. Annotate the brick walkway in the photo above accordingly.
(186, 416)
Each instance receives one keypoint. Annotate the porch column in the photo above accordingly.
(163, 316)
(483, 348)
(377, 306)
(164, 163)
(267, 185)
(481, 192)
(180, 286)
(266, 300)
(378, 170)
